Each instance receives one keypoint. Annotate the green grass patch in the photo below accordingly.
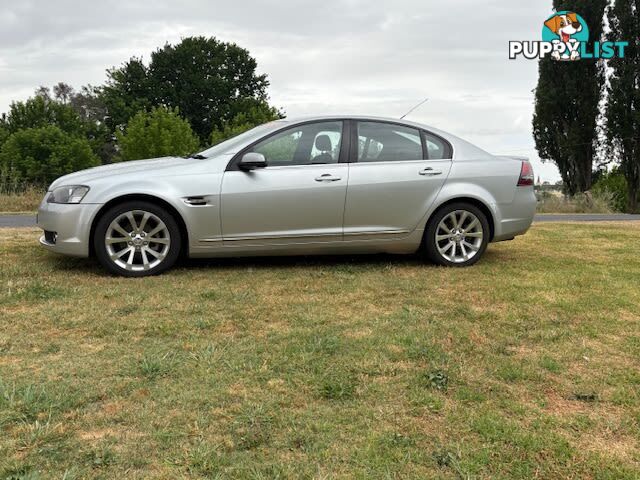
(524, 366)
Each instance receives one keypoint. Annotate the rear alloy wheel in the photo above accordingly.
(457, 235)
(137, 239)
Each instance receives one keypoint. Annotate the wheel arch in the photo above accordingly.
(184, 233)
(483, 207)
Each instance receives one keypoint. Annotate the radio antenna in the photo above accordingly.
(414, 108)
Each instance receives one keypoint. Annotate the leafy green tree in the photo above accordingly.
(39, 112)
(623, 107)
(88, 105)
(4, 134)
(63, 92)
(40, 155)
(126, 93)
(77, 113)
(158, 133)
(615, 185)
(253, 116)
(44, 93)
(208, 80)
(566, 104)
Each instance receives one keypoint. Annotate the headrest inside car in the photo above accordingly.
(323, 143)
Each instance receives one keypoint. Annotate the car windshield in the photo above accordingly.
(233, 144)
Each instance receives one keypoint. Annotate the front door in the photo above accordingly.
(298, 198)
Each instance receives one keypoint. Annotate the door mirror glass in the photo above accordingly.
(252, 161)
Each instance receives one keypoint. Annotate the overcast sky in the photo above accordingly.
(329, 56)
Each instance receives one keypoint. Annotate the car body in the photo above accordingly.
(315, 185)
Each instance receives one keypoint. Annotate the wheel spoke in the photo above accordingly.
(144, 220)
(163, 241)
(158, 229)
(121, 253)
(472, 225)
(145, 259)
(464, 251)
(462, 219)
(473, 234)
(470, 246)
(131, 255)
(132, 221)
(454, 221)
(446, 236)
(118, 228)
(158, 255)
(112, 240)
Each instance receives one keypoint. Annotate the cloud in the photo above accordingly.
(347, 56)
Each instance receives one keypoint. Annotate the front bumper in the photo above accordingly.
(71, 225)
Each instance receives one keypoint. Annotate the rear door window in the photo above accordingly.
(386, 142)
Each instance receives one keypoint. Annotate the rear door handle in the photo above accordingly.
(430, 172)
(327, 177)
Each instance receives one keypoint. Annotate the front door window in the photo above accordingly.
(309, 144)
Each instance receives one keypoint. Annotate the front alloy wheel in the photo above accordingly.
(137, 240)
(457, 235)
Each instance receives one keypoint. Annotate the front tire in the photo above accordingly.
(457, 235)
(137, 239)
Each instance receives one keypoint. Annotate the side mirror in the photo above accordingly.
(251, 161)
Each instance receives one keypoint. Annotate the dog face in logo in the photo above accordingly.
(565, 26)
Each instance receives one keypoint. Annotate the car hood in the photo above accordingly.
(153, 167)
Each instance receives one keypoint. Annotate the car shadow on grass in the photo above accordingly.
(377, 260)
(91, 266)
(381, 260)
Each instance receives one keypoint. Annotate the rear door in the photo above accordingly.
(395, 175)
(298, 198)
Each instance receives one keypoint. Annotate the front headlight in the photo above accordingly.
(71, 194)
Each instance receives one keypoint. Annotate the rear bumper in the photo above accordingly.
(69, 227)
(515, 218)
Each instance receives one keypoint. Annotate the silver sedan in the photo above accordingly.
(321, 185)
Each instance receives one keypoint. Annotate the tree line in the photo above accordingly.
(189, 96)
(580, 107)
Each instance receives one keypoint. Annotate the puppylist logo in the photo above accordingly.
(565, 36)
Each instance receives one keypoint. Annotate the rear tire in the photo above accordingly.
(457, 235)
(137, 239)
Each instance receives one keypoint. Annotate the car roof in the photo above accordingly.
(309, 118)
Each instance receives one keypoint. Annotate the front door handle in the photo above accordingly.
(430, 172)
(327, 177)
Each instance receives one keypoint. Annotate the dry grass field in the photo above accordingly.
(26, 201)
(524, 366)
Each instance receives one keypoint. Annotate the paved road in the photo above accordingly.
(17, 221)
(587, 217)
(30, 220)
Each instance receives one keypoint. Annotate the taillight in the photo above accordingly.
(526, 175)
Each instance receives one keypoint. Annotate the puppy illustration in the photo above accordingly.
(565, 26)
